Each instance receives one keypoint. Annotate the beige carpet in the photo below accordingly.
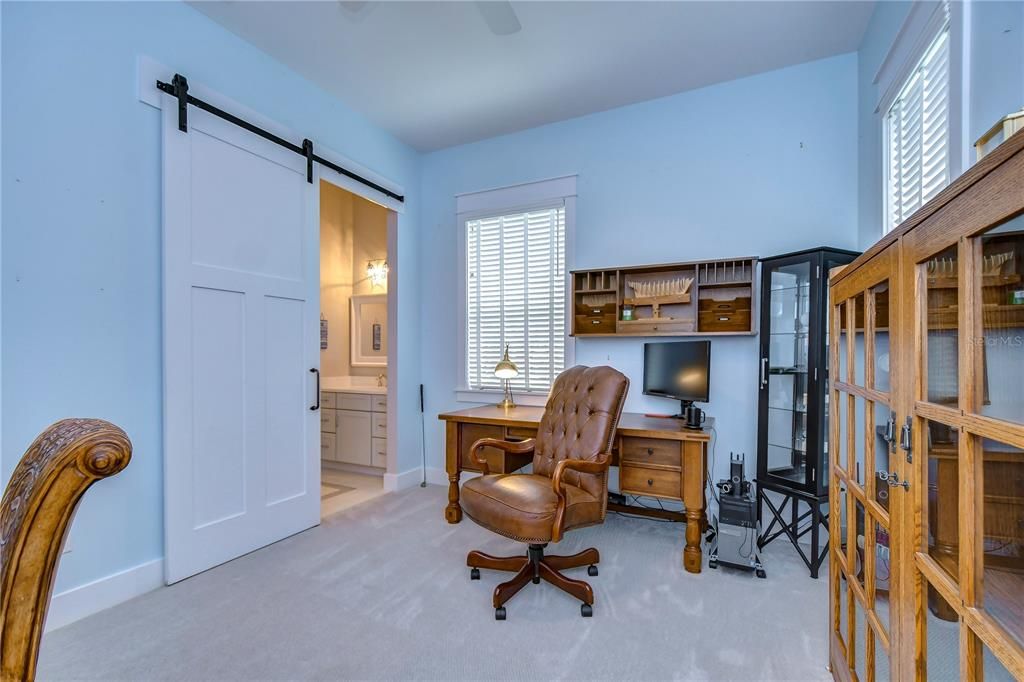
(381, 591)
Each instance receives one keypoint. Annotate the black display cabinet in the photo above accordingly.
(792, 437)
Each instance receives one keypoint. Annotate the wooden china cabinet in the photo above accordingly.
(927, 482)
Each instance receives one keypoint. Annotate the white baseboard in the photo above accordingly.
(84, 600)
(406, 479)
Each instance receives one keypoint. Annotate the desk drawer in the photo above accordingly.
(650, 451)
(328, 421)
(328, 400)
(519, 433)
(656, 482)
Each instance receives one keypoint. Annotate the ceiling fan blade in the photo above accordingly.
(356, 9)
(499, 17)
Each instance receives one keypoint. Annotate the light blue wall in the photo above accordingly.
(758, 166)
(995, 52)
(81, 236)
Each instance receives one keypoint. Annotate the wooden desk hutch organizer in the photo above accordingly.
(698, 298)
(927, 478)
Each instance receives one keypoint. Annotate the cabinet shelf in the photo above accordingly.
(716, 303)
(657, 300)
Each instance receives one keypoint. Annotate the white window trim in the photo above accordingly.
(922, 25)
(521, 197)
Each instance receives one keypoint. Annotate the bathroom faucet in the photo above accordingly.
(380, 380)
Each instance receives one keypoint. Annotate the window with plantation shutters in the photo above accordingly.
(918, 134)
(515, 286)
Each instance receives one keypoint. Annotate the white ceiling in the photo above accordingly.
(434, 75)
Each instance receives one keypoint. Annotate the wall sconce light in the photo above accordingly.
(377, 271)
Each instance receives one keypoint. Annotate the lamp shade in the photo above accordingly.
(506, 369)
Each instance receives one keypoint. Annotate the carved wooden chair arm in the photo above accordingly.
(35, 512)
(514, 447)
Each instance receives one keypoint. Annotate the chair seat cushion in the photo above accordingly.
(522, 506)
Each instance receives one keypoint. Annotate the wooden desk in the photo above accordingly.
(656, 458)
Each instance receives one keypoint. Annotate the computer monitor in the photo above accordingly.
(678, 370)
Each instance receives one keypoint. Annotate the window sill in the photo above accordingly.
(465, 395)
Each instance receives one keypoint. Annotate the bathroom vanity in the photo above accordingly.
(354, 421)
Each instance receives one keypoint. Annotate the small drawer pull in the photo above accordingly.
(595, 322)
(650, 451)
(650, 481)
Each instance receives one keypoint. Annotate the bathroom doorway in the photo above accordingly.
(355, 338)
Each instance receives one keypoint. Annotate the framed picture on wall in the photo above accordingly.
(369, 346)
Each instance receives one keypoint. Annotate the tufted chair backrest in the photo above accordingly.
(579, 422)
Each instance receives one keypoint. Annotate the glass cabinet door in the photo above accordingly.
(784, 370)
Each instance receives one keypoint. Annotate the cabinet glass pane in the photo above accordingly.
(941, 325)
(843, 371)
(1002, 254)
(789, 316)
(860, 542)
(882, 414)
(994, 669)
(881, 663)
(861, 645)
(859, 458)
(858, 341)
(883, 563)
(942, 639)
(1003, 539)
(844, 606)
(881, 338)
(943, 495)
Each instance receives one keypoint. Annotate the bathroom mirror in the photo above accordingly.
(369, 347)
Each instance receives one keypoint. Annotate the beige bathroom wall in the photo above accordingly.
(352, 232)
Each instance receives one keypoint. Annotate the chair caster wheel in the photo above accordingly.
(499, 613)
(474, 574)
(712, 564)
(761, 573)
(592, 570)
(586, 610)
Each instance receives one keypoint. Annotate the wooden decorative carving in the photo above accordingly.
(37, 508)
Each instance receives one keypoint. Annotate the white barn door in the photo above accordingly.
(241, 301)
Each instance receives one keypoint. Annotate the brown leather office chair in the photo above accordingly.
(568, 487)
(35, 513)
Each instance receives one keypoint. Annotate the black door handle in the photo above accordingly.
(315, 371)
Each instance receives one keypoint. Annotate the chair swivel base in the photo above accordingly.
(532, 568)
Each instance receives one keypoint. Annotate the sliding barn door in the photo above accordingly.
(866, 494)
(241, 297)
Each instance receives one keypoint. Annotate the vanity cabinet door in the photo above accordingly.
(353, 436)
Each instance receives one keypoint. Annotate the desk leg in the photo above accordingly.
(694, 473)
(453, 465)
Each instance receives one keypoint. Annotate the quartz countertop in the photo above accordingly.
(367, 385)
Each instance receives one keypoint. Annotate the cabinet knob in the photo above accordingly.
(650, 481)
(650, 451)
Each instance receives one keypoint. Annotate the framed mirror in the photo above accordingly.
(369, 346)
